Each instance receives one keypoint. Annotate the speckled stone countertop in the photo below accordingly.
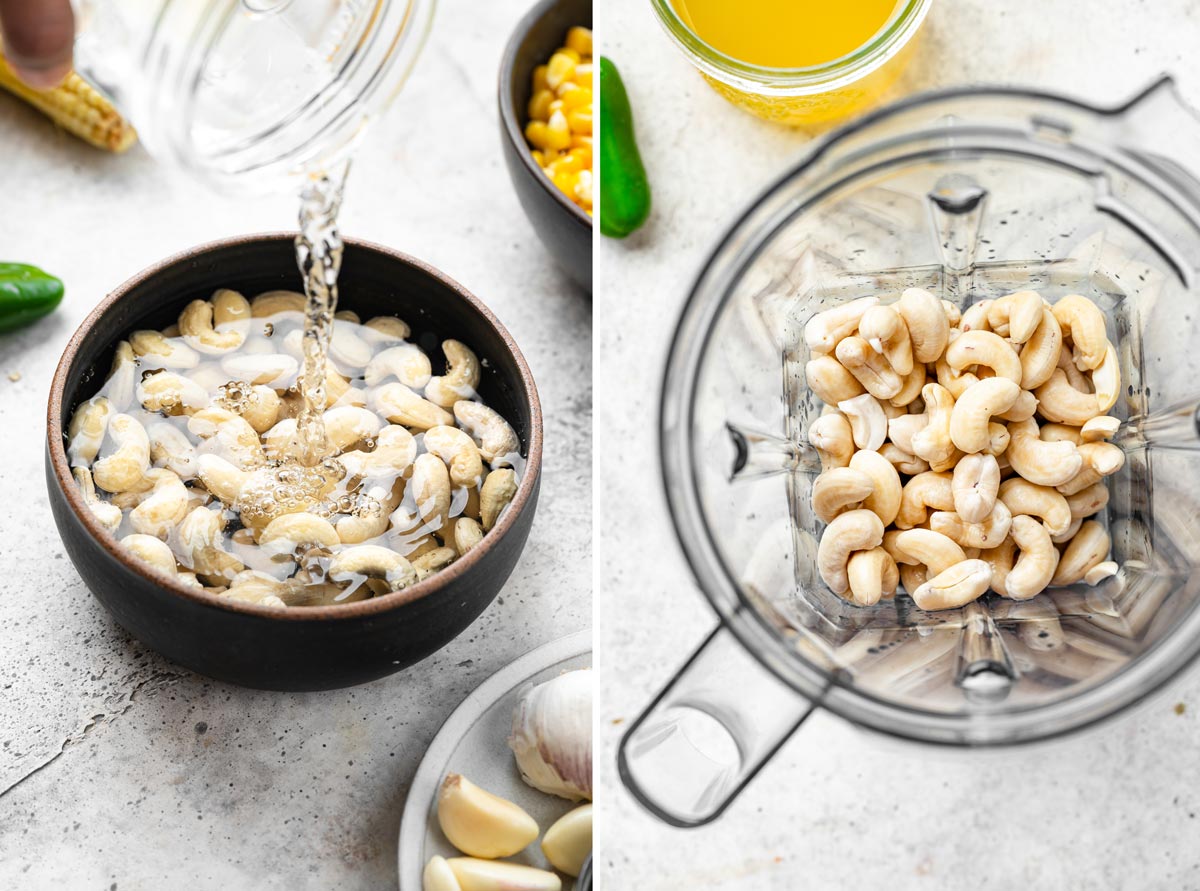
(121, 771)
(1118, 808)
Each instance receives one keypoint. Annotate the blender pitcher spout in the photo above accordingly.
(708, 733)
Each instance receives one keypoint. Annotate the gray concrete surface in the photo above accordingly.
(117, 769)
(1115, 809)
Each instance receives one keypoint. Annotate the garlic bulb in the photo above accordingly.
(552, 735)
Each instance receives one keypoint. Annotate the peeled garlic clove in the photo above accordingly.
(494, 875)
(439, 876)
(569, 841)
(482, 824)
(552, 736)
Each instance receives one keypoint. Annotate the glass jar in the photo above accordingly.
(250, 94)
(813, 95)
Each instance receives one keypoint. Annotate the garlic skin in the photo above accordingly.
(552, 736)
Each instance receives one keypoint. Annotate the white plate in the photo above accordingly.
(474, 743)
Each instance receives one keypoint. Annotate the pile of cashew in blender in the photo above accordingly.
(189, 454)
(962, 451)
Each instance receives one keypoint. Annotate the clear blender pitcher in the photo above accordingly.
(250, 94)
(970, 194)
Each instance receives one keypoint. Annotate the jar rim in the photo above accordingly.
(852, 66)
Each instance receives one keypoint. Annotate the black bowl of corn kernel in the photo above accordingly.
(546, 89)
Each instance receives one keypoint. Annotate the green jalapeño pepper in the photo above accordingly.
(624, 190)
(26, 294)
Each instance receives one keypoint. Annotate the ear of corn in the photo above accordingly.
(76, 107)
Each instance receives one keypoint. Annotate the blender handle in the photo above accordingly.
(708, 733)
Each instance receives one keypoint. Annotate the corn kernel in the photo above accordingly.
(538, 134)
(580, 120)
(577, 97)
(539, 78)
(583, 75)
(580, 40)
(556, 105)
(561, 67)
(583, 188)
(539, 105)
(558, 132)
(539, 157)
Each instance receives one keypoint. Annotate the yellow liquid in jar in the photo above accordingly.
(785, 33)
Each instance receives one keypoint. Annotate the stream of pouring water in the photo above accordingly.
(319, 255)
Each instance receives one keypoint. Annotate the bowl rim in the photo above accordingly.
(508, 112)
(358, 609)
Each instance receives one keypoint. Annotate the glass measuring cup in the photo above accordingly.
(810, 96)
(250, 94)
(971, 194)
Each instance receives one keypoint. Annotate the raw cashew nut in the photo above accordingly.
(872, 370)
(151, 550)
(830, 380)
(394, 452)
(1089, 547)
(218, 326)
(937, 551)
(406, 363)
(390, 328)
(987, 534)
(953, 314)
(973, 411)
(1029, 499)
(461, 377)
(928, 326)
(925, 490)
(933, 442)
(349, 424)
(160, 351)
(833, 439)
(1036, 562)
(85, 433)
(987, 349)
(200, 542)
(998, 439)
(856, 530)
(261, 408)
(371, 562)
(1059, 401)
(1043, 463)
(1069, 533)
(1103, 427)
(886, 491)
(868, 422)
(912, 576)
(826, 329)
(495, 494)
(459, 453)
(122, 377)
(171, 394)
(884, 329)
(400, 405)
(910, 389)
(125, 469)
(1106, 380)
(164, 508)
(1016, 316)
(975, 485)
(955, 586)
(1083, 322)
(357, 529)
(228, 435)
(1000, 559)
(347, 350)
(1089, 501)
(109, 515)
(1100, 459)
(276, 370)
(292, 531)
(1040, 355)
(955, 382)
(495, 438)
(1061, 433)
(273, 303)
(975, 317)
(432, 561)
(220, 477)
(839, 489)
(902, 429)
(905, 463)
(250, 586)
(1100, 572)
(466, 534)
(871, 575)
(431, 495)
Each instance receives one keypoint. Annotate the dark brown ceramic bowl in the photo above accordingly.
(560, 224)
(302, 648)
